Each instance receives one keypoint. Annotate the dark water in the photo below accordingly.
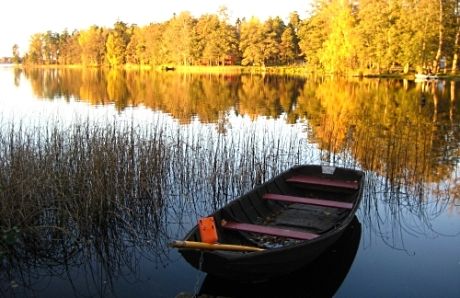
(232, 132)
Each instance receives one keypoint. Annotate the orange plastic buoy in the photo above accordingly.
(208, 231)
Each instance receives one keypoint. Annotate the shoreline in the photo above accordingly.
(294, 70)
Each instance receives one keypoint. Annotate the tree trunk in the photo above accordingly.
(456, 50)
(425, 29)
(406, 68)
(456, 44)
(441, 37)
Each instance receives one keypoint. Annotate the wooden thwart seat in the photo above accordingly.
(303, 179)
(308, 201)
(268, 230)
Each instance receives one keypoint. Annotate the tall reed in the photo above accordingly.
(64, 186)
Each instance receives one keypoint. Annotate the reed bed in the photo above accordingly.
(104, 188)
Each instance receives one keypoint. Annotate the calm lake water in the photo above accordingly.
(223, 134)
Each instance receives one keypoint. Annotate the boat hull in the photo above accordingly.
(263, 266)
(328, 222)
(320, 278)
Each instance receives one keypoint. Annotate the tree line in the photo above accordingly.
(338, 36)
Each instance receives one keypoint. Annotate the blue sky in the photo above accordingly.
(19, 19)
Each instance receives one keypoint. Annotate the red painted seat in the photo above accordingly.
(268, 230)
(347, 184)
(308, 201)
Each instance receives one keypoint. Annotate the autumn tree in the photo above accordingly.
(312, 34)
(272, 30)
(338, 36)
(374, 32)
(339, 50)
(92, 43)
(288, 48)
(50, 43)
(136, 48)
(35, 53)
(116, 44)
(205, 43)
(295, 23)
(152, 38)
(214, 40)
(251, 42)
(227, 38)
(69, 48)
(177, 39)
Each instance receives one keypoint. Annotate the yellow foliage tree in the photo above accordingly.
(339, 50)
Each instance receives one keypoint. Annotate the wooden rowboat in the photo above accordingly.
(279, 226)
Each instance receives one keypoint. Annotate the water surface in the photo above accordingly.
(194, 142)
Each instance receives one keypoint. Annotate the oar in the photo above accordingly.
(216, 246)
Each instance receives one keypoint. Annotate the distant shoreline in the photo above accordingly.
(294, 70)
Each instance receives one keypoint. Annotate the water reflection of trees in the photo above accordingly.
(334, 109)
(184, 96)
(403, 132)
(383, 125)
(409, 148)
(411, 129)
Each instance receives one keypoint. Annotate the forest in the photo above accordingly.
(338, 36)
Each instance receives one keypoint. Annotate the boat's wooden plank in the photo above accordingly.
(273, 187)
(346, 184)
(269, 230)
(308, 201)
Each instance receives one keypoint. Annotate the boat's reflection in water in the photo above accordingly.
(321, 278)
